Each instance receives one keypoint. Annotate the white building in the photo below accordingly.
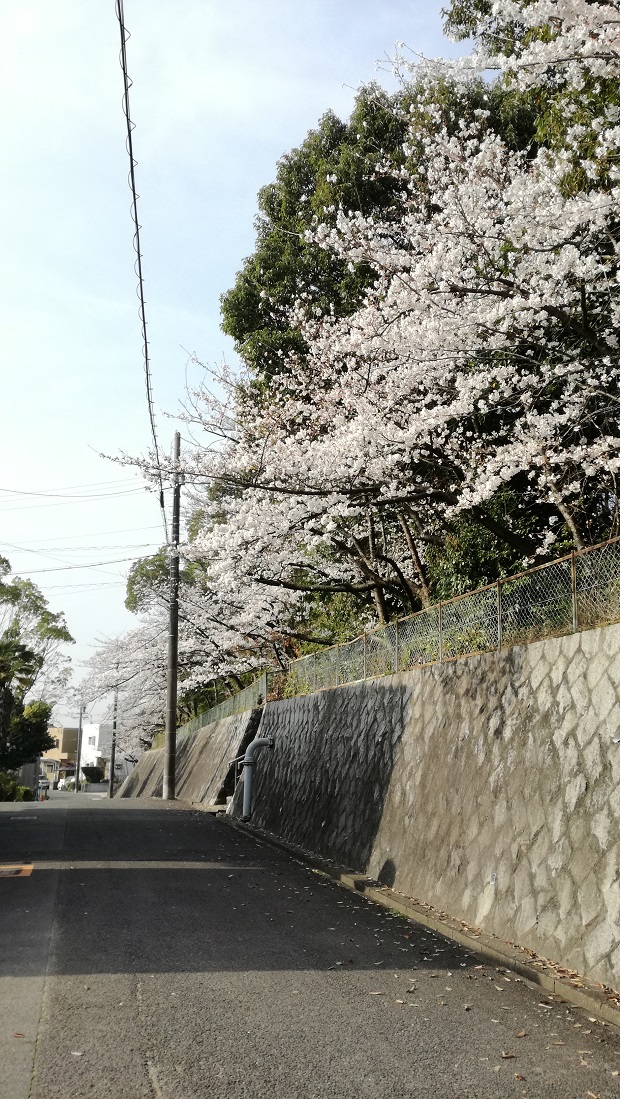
(96, 749)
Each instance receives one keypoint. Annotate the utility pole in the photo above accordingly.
(113, 747)
(79, 750)
(170, 743)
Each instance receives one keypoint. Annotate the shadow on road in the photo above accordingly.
(151, 889)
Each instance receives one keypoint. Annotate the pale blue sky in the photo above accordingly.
(220, 91)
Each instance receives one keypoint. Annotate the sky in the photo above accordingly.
(220, 92)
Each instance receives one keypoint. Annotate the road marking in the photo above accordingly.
(23, 816)
(23, 870)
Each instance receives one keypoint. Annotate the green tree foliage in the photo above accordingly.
(335, 166)
(148, 579)
(23, 727)
(31, 662)
(349, 166)
(339, 165)
(557, 106)
(26, 736)
(25, 618)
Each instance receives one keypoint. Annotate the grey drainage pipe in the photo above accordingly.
(249, 761)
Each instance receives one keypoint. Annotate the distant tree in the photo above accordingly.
(23, 727)
(25, 618)
(32, 665)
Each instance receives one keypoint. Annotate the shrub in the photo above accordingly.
(8, 787)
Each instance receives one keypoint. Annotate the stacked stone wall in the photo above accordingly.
(488, 787)
(203, 762)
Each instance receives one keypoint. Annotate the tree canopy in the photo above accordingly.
(428, 330)
(33, 669)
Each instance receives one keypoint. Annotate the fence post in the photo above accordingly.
(364, 654)
(337, 665)
(440, 635)
(573, 578)
(396, 648)
(314, 672)
(499, 614)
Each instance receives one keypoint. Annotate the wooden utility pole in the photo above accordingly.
(113, 746)
(170, 744)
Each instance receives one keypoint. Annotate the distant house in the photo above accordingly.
(59, 761)
(96, 750)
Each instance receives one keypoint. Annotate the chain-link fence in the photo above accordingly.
(418, 639)
(247, 699)
(469, 623)
(597, 586)
(573, 593)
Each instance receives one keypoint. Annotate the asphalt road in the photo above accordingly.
(157, 953)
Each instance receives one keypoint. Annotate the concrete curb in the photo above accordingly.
(601, 1002)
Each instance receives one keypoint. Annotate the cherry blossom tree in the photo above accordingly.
(474, 385)
(480, 367)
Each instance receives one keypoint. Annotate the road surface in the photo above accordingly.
(154, 952)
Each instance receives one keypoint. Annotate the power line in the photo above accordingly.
(93, 534)
(41, 553)
(75, 500)
(54, 491)
(127, 83)
(87, 565)
(93, 586)
(76, 495)
(80, 549)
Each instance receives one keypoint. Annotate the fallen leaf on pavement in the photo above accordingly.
(521, 1034)
(507, 1056)
(518, 1076)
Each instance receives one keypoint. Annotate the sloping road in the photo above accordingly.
(156, 953)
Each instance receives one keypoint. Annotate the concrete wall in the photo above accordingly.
(488, 787)
(203, 772)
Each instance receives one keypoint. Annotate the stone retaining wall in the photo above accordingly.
(203, 772)
(488, 787)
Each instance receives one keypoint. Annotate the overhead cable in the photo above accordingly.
(87, 565)
(80, 549)
(74, 500)
(64, 488)
(76, 495)
(127, 83)
(92, 534)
